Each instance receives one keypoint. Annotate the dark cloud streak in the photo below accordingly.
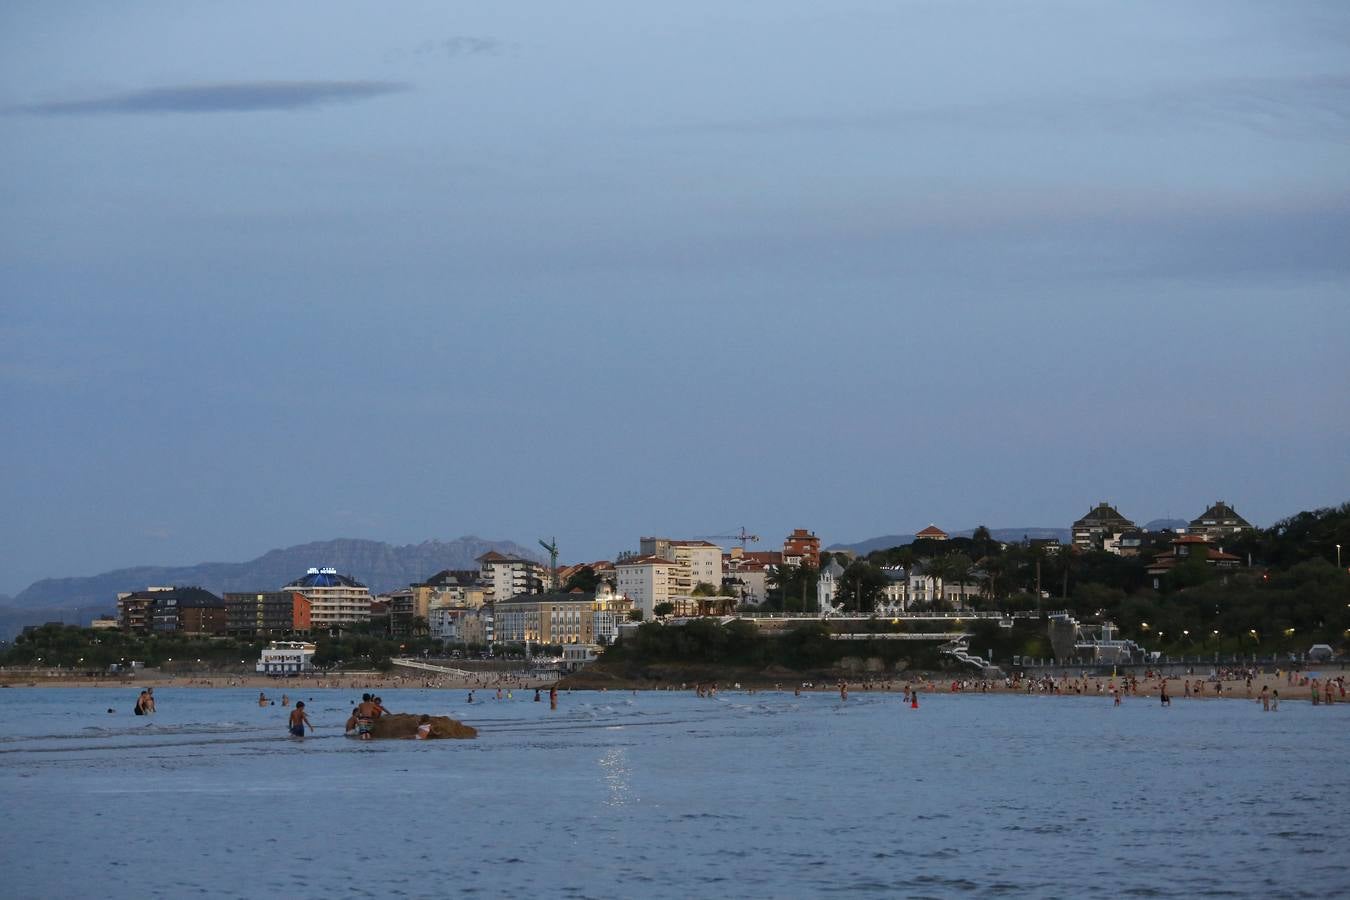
(244, 96)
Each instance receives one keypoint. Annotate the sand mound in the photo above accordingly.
(405, 726)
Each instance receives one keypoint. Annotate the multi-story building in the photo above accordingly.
(136, 609)
(334, 599)
(454, 624)
(802, 547)
(1219, 521)
(460, 588)
(647, 581)
(168, 610)
(552, 618)
(508, 576)
(402, 612)
(1100, 523)
(699, 562)
(267, 614)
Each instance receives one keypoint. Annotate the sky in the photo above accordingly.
(276, 273)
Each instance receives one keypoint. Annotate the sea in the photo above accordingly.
(665, 794)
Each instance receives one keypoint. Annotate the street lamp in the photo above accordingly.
(1338, 556)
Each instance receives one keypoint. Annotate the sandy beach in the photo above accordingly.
(1287, 686)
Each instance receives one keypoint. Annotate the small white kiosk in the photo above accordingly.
(287, 658)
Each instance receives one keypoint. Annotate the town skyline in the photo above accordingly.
(726, 541)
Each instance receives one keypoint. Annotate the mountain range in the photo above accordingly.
(379, 566)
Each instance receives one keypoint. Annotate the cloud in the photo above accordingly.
(241, 96)
(453, 47)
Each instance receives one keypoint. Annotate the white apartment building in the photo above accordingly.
(334, 599)
(646, 581)
(509, 576)
(698, 561)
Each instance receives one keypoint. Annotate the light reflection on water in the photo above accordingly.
(668, 795)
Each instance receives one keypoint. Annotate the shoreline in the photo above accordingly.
(1087, 686)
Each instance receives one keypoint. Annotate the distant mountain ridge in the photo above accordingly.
(1005, 535)
(378, 565)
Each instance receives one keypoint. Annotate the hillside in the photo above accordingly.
(378, 565)
(1006, 535)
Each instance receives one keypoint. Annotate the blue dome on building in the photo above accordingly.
(324, 578)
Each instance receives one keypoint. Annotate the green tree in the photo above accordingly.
(860, 586)
(584, 579)
(663, 609)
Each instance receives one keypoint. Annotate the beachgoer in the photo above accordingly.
(149, 700)
(1275, 701)
(262, 699)
(423, 728)
(352, 720)
(365, 717)
(537, 698)
(553, 697)
(843, 690)
(285, 700)
(299, 719)
(1265, 698)
(139, 708)
(914, 699)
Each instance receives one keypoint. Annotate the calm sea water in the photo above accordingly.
(667, 795)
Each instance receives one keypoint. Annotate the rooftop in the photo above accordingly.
(326, 577)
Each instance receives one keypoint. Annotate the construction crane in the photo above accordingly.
(552, 548)
(743, 537)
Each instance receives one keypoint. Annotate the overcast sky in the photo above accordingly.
(273, 273)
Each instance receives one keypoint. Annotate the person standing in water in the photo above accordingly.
(914, 699)
(843, 689)
(299, 720)
(553, 697)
